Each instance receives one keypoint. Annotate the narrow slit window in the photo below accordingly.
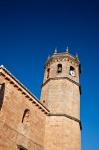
(2, 90)
(48, 72)
(59, 68)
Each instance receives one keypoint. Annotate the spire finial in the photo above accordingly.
(67, 50)
(76, 56)
(2, 66)
(48, 57)
(55, 51)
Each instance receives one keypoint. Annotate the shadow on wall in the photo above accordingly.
(2, 90)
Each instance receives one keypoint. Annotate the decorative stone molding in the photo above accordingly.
(61, 57)
(58, 78)
(67, 116)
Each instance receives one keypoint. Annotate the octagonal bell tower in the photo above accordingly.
(61, 88)
(61, 95)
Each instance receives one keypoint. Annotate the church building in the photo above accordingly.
(51, 123)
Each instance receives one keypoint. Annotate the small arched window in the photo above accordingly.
(72, 71)
(59, 68)
(48, 72)
(26, 117)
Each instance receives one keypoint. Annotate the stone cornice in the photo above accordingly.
(58, 78)
(20, 87)
(67, 116)
(60, 56)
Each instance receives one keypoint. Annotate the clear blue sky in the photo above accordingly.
(29, 32)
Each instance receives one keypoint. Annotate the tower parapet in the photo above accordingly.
(62, 65)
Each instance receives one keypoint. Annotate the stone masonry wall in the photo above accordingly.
(12, 131)
(62, 96)
(62, 133)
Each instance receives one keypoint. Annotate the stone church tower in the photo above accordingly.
(61, 95)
